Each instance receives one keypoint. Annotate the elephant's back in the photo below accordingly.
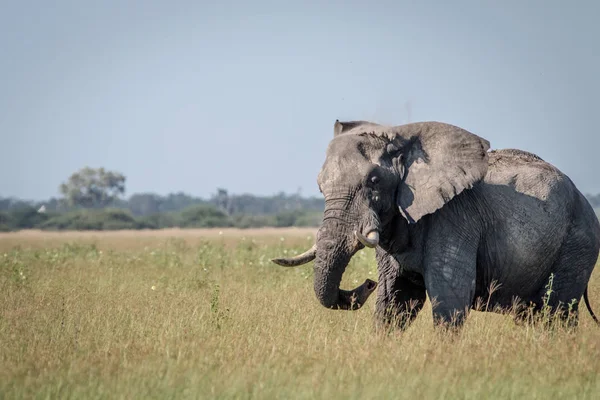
(529, 203)
(528, 189)
(527, 174)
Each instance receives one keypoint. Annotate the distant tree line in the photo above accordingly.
(92, 199)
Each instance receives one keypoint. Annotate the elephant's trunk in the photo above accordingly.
(332, 257)
(332, 252)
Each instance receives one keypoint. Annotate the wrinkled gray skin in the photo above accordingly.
(448, 218)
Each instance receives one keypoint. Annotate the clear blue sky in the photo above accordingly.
(194, 95)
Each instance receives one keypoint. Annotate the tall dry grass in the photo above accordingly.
(207, 316)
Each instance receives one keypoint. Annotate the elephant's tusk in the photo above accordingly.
(300, 259)
(372, 239)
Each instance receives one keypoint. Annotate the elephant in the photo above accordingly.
(449, 218)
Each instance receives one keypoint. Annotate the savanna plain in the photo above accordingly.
(204, 314)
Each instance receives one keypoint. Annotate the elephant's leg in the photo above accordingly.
(399, 298)
(400, 304)
(450, 272)
(570, 274)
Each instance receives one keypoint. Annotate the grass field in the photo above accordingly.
(204, 314)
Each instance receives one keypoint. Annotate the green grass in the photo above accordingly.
(127, 317)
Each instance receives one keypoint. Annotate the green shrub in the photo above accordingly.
(245, 221)
(6, 223)
(101, 219)
(298, 218)
(203, 216)
(27, 218)
(158, 221)
(309, 219)
(286, 218)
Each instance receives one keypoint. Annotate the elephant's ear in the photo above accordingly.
(439, 162)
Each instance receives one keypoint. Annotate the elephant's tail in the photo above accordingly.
(587, 304)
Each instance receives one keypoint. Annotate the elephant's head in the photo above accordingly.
(373, 173)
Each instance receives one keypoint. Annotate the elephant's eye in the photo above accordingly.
(374, 179)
